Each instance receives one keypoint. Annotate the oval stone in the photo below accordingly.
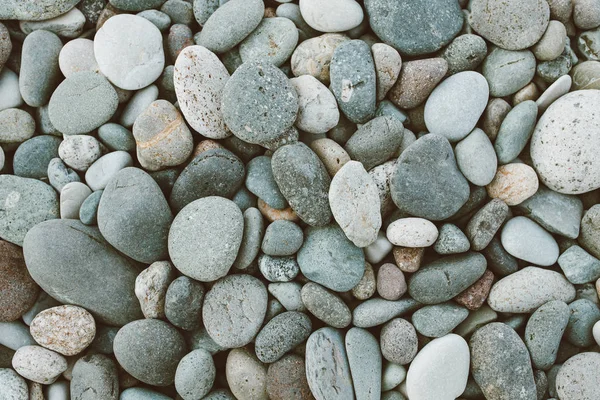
(286, 379)
(313, 56)
(38, 364)
(95, 374)
(326, 306)
(515, 131)
(67, 329)
(282, 334)
(412, 232)
(364, 358)
(508, 71)
(19, 291)
(39, 67)
(476, 158)
(246, 376)
(35, 11)
(273, 40)
(100, 173)
(524, 239)
(578, 377)
(195, 375)
(544, 331)
(439, 319)
(318, 111)
(33, 156)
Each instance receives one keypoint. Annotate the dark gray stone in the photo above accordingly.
(116, 137)
(451, 240)
(482, 227)
(515, 131)
(499, 261)
(33, 156)
(376, 141)
(282, 334)
(183, 303)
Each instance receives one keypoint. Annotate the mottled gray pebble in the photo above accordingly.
(451, 240)
(584, 314)
(282, 334)
(376, 141)
(399, 342)
(39, 73)
(325, 305)
(439, 319)
(476, 158)
(364, 358)
(95, 377)
(278, 268)
(116, 137)
(484, 224)
(260, 182)
(378, 311)
(183, 303)
(544, 331)
(273, 40)
(578, 377)
(33, 156)
(195, 375)
(579, 266)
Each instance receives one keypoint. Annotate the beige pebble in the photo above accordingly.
(273, 214)
(246, 375)
(38, 364)
(151, 288)
(391, 284)
(408, 259)
(412, 232)
(206, 145)
(387, 67)
(331, 154)
(552, 43)
(416, 81)
(493, 116)
(513, 183)
(36, 391)
(65, 329)
(313, 56)
(529, 92)
(365, 289)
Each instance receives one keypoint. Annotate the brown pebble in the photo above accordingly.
(286, 379)
(529, 92)
(270, 12)
(18, 291)
(180, 37)
(36, 391)
(367, 285)
(476, 294)
(206, 145)
(416, 81)
(391, 284)
(493, 116)
(273, 214)
(408, 259)
(513, 183)
(331, 154)
(416, 118)
(108, 12)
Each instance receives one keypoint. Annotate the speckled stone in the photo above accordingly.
(282, 238)
(476, 294)
(38, 364)
(388, 64)
(584, 314)
(95, 377)
(484, 224)
(398, 341)
(451, 240)
(417, 80)
(476, 158)
(439, 319)
(12, 385)
(19, 291)
(16, 126)
(378, 311)
(577, 377)
(391, 284)
(286, 379)
(318, 111)
(579, 266)
(513, 183)
(35, 11)
(282, 334)
(412, 232)
(515, 131)
(586, 75)
(376, 141)
(273, 40)
(544, 331)
(508, 71)
(464, 53)
(325, 305)
(67, 329)
(195, 375)
(313, 56)
(33, 156)
(79, 151)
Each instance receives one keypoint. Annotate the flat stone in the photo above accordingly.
(103, 170)
(246, 375)
(412, 232)
(139, 393)
(19, 291)
(282, 334)
(116, 137)
(39, 73)
(38, 364)
(313, 56)
(325, 305)
(544, 331)
(577, 377)
(585, 75)
(318, 110)
(455, 105)
(273, 40)
(476, 158)
(579, 266)
(508, 71)
(68, 25)
(137, 104)
(438, 320)
(365, 361)
(67, 329)
(195, 375)
(529, 288)
(161, 345)
(555, 91)
(526, 240)
(376, 311)
(514, 183)
(417, 80)
(376, 141)
(72, 197)
(36, 11)
(485, 223)
(288, 295)
(79, 151)
(96, 377)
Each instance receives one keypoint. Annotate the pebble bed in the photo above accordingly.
(299, 200)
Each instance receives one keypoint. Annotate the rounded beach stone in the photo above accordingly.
(527, 289)
(376, 141)
(288, 295)
(162, 137)
(577, 377)
(138, 103)
(336, 16)
(12, 385)
(19, 291)
(451, 240)
(515, 131)
(278, 269)
(412, 232)
(259, 102)
(586, 75)
(260, 182)
(388, 64)
(9, 89)
(544, 331)
(552, 43)
(327, 368)
(325, 305)
(39, 10)
(16, 126)
(318, 111)
(183, 303)
(364, 358)
(484, 224)
(526, 240)
(586, 14)
(79, 151)
(66, 329)
(199, 78)
(26, 202)
(286, 379)
(397, 24)
(254, 230)
(566, 165)
(39, 67)
(106, 168)
(77, 55)
(513, 183)
(204, 249)
(590, 231)
(439, 319)
(559, 88)
(464, 53)
(129, 51)
(303, 181)
(427, 182)
(246, 375)
(139, 393)
(391, 284)
(332, 155)
(195, 375)
(273, 40)
(149, 350)
(398, 341)
(367, 285)
(151, 288)
(353, 80)
(579, 266)
(68, 25)
(500, 363)
(230, 24)
(95, 374)
(440, 370)
(584, 314)
(234, 323)
(38, 364)
(455, 105)
(282, 238)
(476, 158)
(136, 5)
(511, 25)
(116, 137)
(354, 202)
(72, 196)
(33, 156)
(313, 56)
(508, 71)
(327, 257)
(282, 334)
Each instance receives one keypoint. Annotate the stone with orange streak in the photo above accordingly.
(273, 214)
(514, 183)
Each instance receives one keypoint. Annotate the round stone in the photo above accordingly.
(399, 341)
(234, 310)
(260, 182)
(129, 51)
(376, 141)
(97, 374)
(16, 126)
(476, 157)
(77, 55)
(79, 151)
(183, 303)
(89, 208)
(39, 72)
(318, 111)
(399, 24)
(552, 43)
(149, 350)
(391, 284)
(72, 196)
(577, 377)
(195, 375)
(278, 269)
(526, 240)
(388, 64)
(33, 156)
(586, 75)
(508, 71)
(335, 16)
(512, 24)
(205, 237)
(513, 183)
(465, 53)
(246, 375)
(138, 103)
(282, 238)
(38, 364)
(412, 232)
(67, 329)
(151, 288)
(18, 290)
(273, 40)
(106, 168)
(116, 137)
(565, 164)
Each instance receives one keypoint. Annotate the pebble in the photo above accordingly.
(95, 377)
(72, 196)
(440, 370)
(464, 53)
(388, 64)
(392, 376)
(19, 291)
(317, 108)
(583, 315)
(451, 240)
(514, 183)
(38, 364)
(526, 240)
(5, 45)
(79, 151)
(586, 14)
(376, 141)
(408, 259)
(278, 269)
(484, 224)
(195, 375)
(493, 116)
(550, 71)
(398, 341)
(313, 56)
(332, 155)
(427, 182)
(161, 345)
(140, 58)
(476, 158)
(391, 284)
(39, 73)
(139, 393)
(365, 361)
(12, 385)
(282, 238)
(138, 103)
(179, 11)
(353, 80)
(327, 368)
(220, 35)
(35, 11)
(68, 25)
(558, 89)
(9, 90)
(161, 20)
(242, 365)
(43, 302)
(16, 126)
(590, 231)
(515, 131)
(438, 320)
(529, 288)
(199, 78)
(151, 288)
(259, 102)
(578, 376)
(507, 71)
(399, 24)
(376, 311)
(412, 232)
(116, 137)
(33, 156)
(544, 331)
(286, 379)
(15, 335)
(26, 202)
(500, 363)
(288, 294)
(325, 305)
(261, 182)
(327, 257)
(579, 266)
(104, 169)
(234, 323)
(82, 269)
(474, 297)
(273, 40)
(252, 238)
(183, 303)
(337, 16)
(552, 43)
(585, 75)
(282, 334)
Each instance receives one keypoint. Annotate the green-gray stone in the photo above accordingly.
(161, 20)
(439, 319)
(445, 278)
(451, 240)
(579, 266)
(116, 137)
(515, 131)
(543, 332)
(377, 311)
(274, 41)
(464, 53)
(33, 156)
(34, 10)
(89, 208)
(281, 334)
(136, 5)
(376, 141)
(476, 158)
(260, 182)
(254, 229)
(387, 108)
(550, 71)
(59, 174)
(39, 66)
(244, 199)
(326, 305)
(508, 71)
(499, 261)
(282, 238)
(584, 314)
(179, 11)
(364, 357)
(183, 303)
(95, 377)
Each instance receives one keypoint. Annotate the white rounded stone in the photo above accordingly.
(331, 15)
(107, 166)
(72, 196)
(412, 232)
(318, 111)
(77, 55)
(39, 364)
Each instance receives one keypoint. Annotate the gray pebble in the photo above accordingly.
(326, 305)
(136, 5)
(161, 20)
(33, 156)
(376, 141)
(551, 71)
(364, 358)
(378, 311)
(273, 40)
(40, 10)
(278, 269)
(16, 126)
(451, 240)
(464, 53)
(183, 303)
(282, 238)
(79, 151)
(138, 103)
(116, 137)
(95, 377)
(579, 266)
(515, 131)
(438, 320)
(508, 71)
(282, 334)
(100, 173)
(584, 314)
(203, 9)
(254, 229)
(68, 25)
(195, 375)
(12, 385)
(260, 182)
(244, 199)
(39, 73)
(180, 11)
(476, 158)
(578, 377)
(72, 197)
(139, 393)
(200, 339)
(399, 341)
(288, 294)
(484, 224)
(103, 341)
(526, 240)
(544, 331)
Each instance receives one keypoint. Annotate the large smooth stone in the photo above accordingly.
(274, 41)
(527, 289)
(564, 143)
(524, 239)
(199, 78)
(35, 10)
(415, 27)
(134, 216)
(129, 51)
(427, 182)
(331, 16)
(234, 310)
(440, 370)
(455, 105)
(508, 71)
(205, 238)
(578, 377)
(500, 363)
(543, 332)
(476, 158)
(25, 203)
(39, 67)
(149, 350)
(327, 368)
(364, 358)
(327, 257)
(74, 264)
(303, 181)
